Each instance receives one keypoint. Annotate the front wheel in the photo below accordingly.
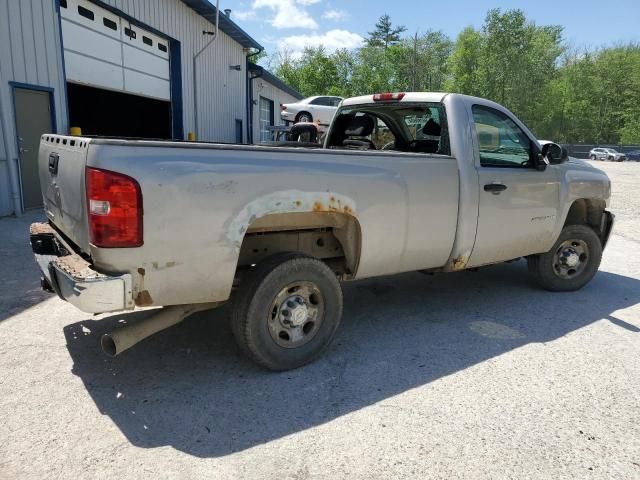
(287, 311)
(593, 157)
(572, 261)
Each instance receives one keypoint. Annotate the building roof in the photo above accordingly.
(275, 81)
(208, 11)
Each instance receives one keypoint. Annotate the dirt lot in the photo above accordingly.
(467, 375)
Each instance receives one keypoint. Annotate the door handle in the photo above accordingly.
(54, 158)
(495, 188)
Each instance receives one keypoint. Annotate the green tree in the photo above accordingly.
(562, 94)
(385, 34)
(422, 61)
(465, 63)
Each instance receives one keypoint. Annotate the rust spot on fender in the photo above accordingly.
(298, 203)
(143, 299)
(318, 207)
(459, 263)
(142, 271)
(348, 210)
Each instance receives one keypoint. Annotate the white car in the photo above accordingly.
(312, 109)
(606, 154)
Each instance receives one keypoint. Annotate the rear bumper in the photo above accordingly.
(74, 279)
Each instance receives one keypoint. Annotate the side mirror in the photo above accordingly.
(554, 153)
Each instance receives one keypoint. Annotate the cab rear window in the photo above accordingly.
(403, 127)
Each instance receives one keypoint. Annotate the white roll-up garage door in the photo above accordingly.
(106, 51)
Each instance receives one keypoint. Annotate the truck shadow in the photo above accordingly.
(189, 387)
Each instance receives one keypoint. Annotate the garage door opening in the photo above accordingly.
(116, 114)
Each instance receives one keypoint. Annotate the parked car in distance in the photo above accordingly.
(606, 154)
(319, 109)
(634, 155)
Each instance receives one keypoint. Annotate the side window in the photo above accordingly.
(500, 141)
(324, 101)
(335, 101)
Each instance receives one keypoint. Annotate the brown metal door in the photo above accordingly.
(33, 118)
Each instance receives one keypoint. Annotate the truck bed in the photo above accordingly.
(200, 200)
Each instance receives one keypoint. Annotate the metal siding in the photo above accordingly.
(30, 53)
(222, 91)
(262, 88)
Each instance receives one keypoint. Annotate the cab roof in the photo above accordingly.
(409, 97)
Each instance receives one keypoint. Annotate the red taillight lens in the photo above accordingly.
(115, 209)
(283, 107)
(386, 97)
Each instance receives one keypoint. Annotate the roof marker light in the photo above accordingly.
(386, 97)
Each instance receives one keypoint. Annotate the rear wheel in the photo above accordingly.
(304, 117)
(572, 261)
(593, 157)
(287, 311)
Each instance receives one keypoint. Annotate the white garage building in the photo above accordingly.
(143, 68)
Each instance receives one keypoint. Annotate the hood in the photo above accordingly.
(584, 180)
(581, 164)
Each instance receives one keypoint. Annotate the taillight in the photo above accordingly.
(283, 107)
(114, 201)
(386, 97)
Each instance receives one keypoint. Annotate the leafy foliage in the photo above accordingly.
(561, 93)
(385, 34)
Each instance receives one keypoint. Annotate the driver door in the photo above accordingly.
(518, 204)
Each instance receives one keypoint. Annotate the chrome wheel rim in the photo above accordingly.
(570, 259)
(296, 314)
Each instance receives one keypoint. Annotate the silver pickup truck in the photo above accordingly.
(404, 182)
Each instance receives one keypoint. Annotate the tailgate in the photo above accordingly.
(61, 164)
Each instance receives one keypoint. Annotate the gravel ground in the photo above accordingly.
(467, 375)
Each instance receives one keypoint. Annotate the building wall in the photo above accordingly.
(221, 91)
(262, 88)
(30, 53)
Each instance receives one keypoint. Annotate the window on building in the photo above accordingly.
(162, 48)
(86, 13)
(147, 41)
(109, 23)
(130, 33)
(266, 118)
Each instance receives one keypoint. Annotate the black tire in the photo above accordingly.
(593, 157)
(544, 266)
(304, 117)
(254, 303)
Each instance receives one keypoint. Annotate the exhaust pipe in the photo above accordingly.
(124, 338)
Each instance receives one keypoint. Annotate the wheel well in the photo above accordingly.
(329, 236)
(302, 112)
(586, 211)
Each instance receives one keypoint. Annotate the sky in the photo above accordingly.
(293, 24)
